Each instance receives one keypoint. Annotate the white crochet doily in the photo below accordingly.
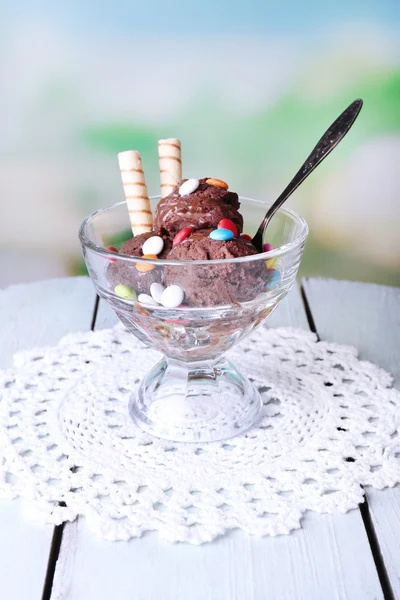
(330, 425)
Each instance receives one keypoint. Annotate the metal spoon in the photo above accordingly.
(326, 144)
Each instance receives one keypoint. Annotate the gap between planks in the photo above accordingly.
(59, 529)
(364, 507)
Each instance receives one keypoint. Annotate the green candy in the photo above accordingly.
(125, 292)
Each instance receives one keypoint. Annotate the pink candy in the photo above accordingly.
(267, 247)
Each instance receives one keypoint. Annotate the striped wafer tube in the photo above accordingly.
(135, 189)
(169, 153)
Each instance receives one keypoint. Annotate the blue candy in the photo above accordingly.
(273, 279)
(222, 234)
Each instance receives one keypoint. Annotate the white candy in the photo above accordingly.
(153, 245)
(146, 299)
(189, 186)
(156, 290)
(172, 296)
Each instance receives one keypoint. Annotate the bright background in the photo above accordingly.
(249, 87)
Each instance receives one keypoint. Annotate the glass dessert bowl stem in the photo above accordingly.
(192, 402)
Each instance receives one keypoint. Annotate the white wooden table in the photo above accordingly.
(355, 556)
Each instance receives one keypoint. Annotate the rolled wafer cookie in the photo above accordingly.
(169, 153)
(135, 189)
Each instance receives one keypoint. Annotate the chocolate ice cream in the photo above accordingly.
(199, 246)
(127, 275)
(204, 208)
(202, 211)
(211, 285)
(133, 247)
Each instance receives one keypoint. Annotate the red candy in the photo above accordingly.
(182, 235)
(228, 224)
(113, 250)
(245, 236)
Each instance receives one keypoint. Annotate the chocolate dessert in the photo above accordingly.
(133, 247)
(212, 285)
(203, 224)
(204, 208)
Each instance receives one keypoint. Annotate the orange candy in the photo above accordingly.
(142, 267)
(217, 182)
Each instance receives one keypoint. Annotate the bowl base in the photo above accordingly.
(195, 403)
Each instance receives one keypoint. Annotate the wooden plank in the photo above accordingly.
(106, 317)
(326, 559)
(329, 558)
(41, 313)
(366, 316)
(34, 315)
(289, 313)
(363, 315)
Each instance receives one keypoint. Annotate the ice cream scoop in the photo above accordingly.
(202, 208)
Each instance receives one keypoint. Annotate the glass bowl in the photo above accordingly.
(194, 393)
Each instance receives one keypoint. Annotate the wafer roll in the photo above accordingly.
(135, 189)
(169, 153)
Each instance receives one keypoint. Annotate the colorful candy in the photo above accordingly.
(181, 235)
(163, 330)
(146, 299)
(217, 182)
(112, 249)
(172, 296)
(141, 310)
(178, 321)
(143, 267)
(156, 290)
(188, 187)
(245, 236)
(222, 235)
(153, 245)
(273, 278)
(228, 224)
(272, 263)
(125, 292)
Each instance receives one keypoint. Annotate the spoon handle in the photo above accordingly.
(326, 144)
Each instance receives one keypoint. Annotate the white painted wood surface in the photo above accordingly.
(31, 315)
(329, 559)
(326, 560)
(366, 316)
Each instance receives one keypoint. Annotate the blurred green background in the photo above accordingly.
(248, 87)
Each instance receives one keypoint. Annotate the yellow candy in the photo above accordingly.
(272, 263)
